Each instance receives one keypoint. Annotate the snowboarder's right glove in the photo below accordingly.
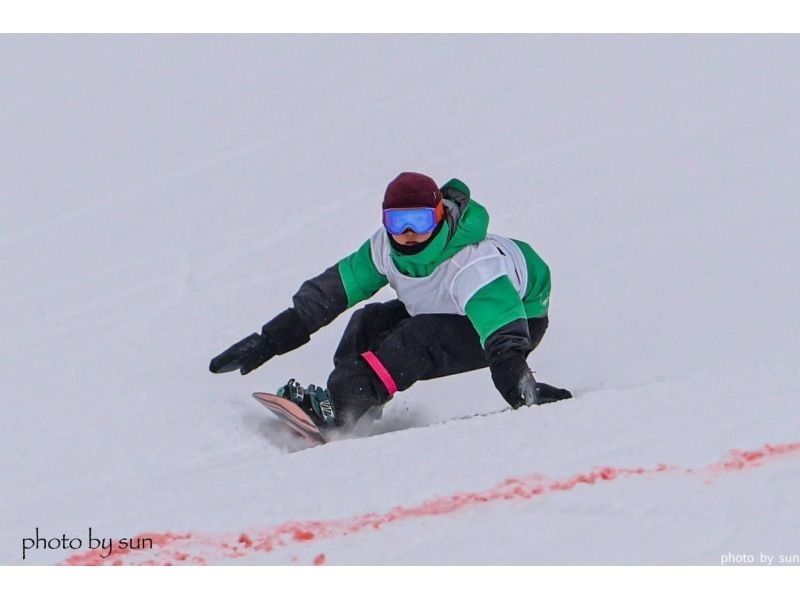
(283, 333)
(245, 356)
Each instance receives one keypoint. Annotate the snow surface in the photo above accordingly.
(164, 196)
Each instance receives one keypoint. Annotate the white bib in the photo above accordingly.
(453, 283)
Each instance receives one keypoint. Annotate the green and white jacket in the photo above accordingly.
(491, 279)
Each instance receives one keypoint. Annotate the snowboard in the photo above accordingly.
(291, 414)
(301, 424)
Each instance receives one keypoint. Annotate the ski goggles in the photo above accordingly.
(420, 220)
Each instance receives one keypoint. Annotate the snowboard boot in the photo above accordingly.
(314, 400)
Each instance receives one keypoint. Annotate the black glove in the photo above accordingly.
(550, 394)
(515, 381)
(245, 356)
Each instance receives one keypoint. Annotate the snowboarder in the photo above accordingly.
(466, 300)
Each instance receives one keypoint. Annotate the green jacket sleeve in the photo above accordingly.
(493, 306)
(360, 277)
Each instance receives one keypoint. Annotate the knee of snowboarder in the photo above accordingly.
(364, 312)
(386, 312)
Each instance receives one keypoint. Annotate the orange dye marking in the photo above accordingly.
(176, 548)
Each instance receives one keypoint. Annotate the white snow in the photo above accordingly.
(162, 197)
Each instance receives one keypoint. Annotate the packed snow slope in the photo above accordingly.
(164, 196)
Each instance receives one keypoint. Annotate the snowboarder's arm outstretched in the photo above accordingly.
(316, 304)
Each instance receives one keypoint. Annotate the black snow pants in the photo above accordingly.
(384, 350)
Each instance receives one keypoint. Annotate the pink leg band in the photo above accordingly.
(381, 371)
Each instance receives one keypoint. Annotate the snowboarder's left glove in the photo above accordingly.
(245, 356)
(515, 381)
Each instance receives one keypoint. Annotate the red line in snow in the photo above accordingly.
(187, 548)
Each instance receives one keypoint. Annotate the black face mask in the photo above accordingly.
(415, 249)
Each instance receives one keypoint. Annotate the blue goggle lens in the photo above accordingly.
(420, 220)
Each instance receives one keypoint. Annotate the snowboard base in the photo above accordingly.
(291, 415)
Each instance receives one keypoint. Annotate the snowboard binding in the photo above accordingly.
(314, 400)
